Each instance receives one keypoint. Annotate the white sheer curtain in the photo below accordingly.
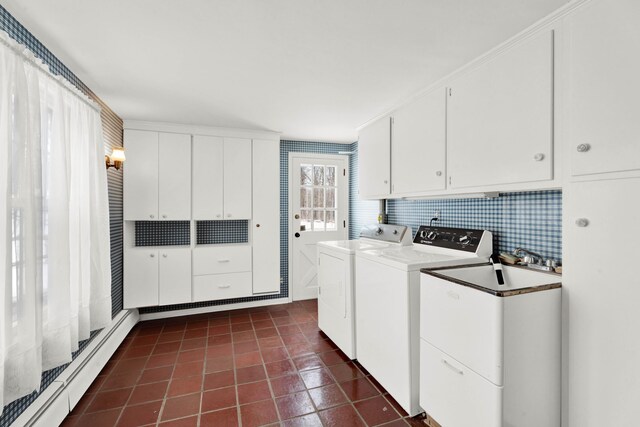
(54, 222)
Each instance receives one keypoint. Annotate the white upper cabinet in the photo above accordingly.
(174, 177)
(237, 178)
(266, 216)
(418, 145)
(221, 178)
(157, 176)
(374, 162)
(208, 177)
(603, 96)
(500, 118)
(140, 175)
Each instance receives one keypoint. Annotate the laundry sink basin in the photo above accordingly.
(517, 280)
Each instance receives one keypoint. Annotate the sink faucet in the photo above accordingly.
(530, 257)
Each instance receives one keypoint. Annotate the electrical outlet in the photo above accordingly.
(436, 214)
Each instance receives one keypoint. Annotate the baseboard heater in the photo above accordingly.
(61, 396)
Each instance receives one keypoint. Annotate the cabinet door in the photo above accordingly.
(175, 276)
(140, 199)
(500, 118)
(140, 278)
(174, 184)
(418, 145)
(266, 216)
(374, 163)
(207, 175)
(601, 290)
(237, 178)
(604, 89)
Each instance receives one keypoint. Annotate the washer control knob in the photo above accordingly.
(432, 235)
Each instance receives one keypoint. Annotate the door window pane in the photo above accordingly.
(331, 220)
(305, 197)
(318, 198)
(305, 174)
(330, 199)
(318, 220)
(318, 175)
(305, 219)
(331, 175)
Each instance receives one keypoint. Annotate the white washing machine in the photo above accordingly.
(336, 280)
(388, 295)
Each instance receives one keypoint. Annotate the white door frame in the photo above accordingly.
(290, 210)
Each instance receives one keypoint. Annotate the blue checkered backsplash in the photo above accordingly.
(531, 220)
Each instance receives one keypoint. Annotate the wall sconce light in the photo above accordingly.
(116, 159)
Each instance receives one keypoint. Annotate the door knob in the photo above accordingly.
(296, 216)
(297, 234)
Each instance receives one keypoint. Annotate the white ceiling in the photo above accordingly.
(312, 69)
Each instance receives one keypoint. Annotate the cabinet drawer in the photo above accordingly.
(221, 286)
(227, 259)
(454, 395)
(464, 323)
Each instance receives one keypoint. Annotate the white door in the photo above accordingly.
(318, 211)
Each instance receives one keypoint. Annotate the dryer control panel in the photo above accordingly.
(461, 239)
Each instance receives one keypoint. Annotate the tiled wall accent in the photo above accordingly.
(112, 127)
(531, 220)
(162, 233)
(220, 232)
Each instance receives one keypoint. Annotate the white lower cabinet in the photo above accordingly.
(157, 276)
(221, 286)
(140, 278)
(488, 360)
(175, 276)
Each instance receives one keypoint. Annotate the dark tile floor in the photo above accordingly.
(260, 366)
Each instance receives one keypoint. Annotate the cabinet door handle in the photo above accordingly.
(228, 215)
(583, 148)
(151, 216)
(152, 255)
(218, 216)
(223, 260)
(164, 255)
(386, 181)
(538, 157)
(258, 225)
(438, 173)
(582, 222)
(453, 368)
(164, 216)
(224, 286)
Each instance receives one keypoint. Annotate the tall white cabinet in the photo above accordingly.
(601, 205)
(202, 177)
